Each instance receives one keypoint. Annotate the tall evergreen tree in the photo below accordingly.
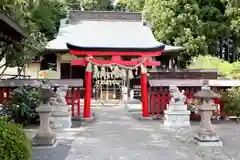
(97, 5)
(176, 22)
(74, 4)
(130, 5)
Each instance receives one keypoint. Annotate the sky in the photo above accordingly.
(115, 2)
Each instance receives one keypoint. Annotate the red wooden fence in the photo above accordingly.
(160, 97)
(72, 98)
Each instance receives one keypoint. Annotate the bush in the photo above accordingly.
(22, 107)
(231, 100)
(14, 144)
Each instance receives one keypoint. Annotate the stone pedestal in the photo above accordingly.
(206, 136)
(61, 116)
(44, 136)
(176, 115)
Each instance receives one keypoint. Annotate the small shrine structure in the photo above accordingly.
(111, 42)
(116, 40)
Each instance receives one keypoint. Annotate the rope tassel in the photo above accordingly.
(103, 72)
(95, 72)
(130, 74)
(89, 67)
(116, 72)
(143, 69)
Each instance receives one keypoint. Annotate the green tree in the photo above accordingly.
(212, 15)
(130, 5)
(47, 15)
(74, 4)
(97, 5)
(177, 22)
(197, 25)
(232, 14)
(18, 54)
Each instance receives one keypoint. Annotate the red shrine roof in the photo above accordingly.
(107, 32)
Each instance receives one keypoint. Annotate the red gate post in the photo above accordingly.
(144, 90)
(88, 91)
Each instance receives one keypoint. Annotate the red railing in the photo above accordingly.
(160, 97)
(73, 97)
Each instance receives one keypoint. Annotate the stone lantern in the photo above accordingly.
(206, 135)
(44, 136)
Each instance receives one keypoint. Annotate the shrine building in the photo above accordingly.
(107, 50)
(99, 29)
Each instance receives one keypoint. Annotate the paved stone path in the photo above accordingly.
(118, 136)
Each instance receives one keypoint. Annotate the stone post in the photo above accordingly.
(206, 135)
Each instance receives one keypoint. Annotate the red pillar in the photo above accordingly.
(88, 91)
(144, 90)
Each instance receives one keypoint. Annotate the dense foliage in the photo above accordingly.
(130, 5)
(47, 15)
(203, 27)
(40, 19)
(14, 145)
(22, 106)
(97, 5)
(231, 101)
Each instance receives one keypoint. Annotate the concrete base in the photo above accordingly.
(44, 141)
(76, 118)
(177, 118)
(207, 143)
(88, 119)
(145, 118)
(61, 122)
(176, 124)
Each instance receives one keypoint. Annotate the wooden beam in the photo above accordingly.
(121, 62)
(100, 53)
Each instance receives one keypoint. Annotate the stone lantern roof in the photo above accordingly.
(206, 91)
